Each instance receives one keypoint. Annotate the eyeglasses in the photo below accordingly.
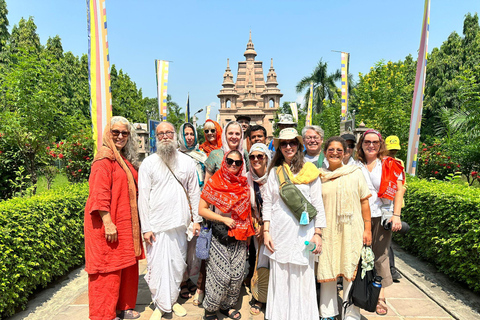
(169, 134)
(292, 143)
(211, 130)
(116, 133)
(332, 150)
(368, 142)
(350, 146)
(254, 157)
(230, 162)
(316, 138)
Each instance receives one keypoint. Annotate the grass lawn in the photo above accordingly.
(59, 182)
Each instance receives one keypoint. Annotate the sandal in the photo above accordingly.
(255, 306)
(210, 316)
(198, 298)
(184, 292)
(382, 308)
(231, 313)
(192, 287)
(129, 314)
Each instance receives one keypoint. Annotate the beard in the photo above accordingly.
(167, 151)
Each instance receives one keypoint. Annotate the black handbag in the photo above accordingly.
(364, 293)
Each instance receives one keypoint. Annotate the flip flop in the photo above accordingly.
(211, 316)
(192, 287)
(198, 298)
(129, 314)
(382, 308)
(232, 314)
(184, 292)
(255, 306)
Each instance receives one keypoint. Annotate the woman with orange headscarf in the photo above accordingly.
(228, 191)
(111, 225)
(213, 137)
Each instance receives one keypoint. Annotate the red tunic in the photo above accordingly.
(108, 192)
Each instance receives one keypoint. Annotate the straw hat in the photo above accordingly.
(287, 134)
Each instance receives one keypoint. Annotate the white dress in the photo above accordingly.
(291, 292)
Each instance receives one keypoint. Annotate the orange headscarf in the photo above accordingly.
(207, 146)
(109, 151)
(230, 193)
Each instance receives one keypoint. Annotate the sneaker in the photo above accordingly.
(396, 276)
(179, 310)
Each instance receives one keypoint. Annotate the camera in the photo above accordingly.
(386, 216)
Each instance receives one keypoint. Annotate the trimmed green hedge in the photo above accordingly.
(445, 228)
(40, 238)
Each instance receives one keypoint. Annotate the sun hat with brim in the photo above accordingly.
(392, 143)
(287, 134)
(285, 119)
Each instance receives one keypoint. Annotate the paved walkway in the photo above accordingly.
(423, 293)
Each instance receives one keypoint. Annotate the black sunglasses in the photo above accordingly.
(351, 146)
(253, 157)
(230, 162)
(208, 131)
(116, 133)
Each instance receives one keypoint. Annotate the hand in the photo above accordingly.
(196, 228)
(318, 243)
(229, 222)
(267, 241)
(367, 237)
(396, 223)
(111, 232)
(258, 231)
(149, 237)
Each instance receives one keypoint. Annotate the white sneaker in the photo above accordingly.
(157, 314)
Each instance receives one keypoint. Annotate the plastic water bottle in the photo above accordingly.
(377, 282)
(310, 246)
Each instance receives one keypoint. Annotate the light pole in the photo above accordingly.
(194, 118)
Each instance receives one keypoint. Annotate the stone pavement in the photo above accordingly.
(423, 293)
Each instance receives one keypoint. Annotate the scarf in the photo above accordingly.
(207, 146)
(344, 194)
(192, 151)
(391, 170)
(252, 175)
(307, 174)
(226, 148)
(230, 193)
(109, 151)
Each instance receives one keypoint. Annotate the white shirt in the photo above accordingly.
(314, 160)
(162, 203)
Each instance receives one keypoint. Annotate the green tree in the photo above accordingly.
(127, 100)
(324, 87)
(174, 113)
(24, 36)
(4, 34)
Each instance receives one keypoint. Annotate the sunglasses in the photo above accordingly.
(211, 130)
(367, 143)
(116, 133)
(350, 146)
(292, 144)
(230, 162)
(254, 157)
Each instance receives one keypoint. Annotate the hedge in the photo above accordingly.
(41, 238)
(445, 228)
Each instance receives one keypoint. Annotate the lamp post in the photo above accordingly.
(194, 118)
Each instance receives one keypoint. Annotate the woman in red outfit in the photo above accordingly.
(112, 231)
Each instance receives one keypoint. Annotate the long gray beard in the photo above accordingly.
(168, 153)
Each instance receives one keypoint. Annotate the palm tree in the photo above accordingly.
(324, 87)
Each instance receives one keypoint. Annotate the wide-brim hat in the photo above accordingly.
(392, 143)
(285, 119)
(287, 134)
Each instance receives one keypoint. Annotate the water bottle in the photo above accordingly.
(377, 282)
(310, 246)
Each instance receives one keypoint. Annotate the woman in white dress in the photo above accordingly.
(291, 291)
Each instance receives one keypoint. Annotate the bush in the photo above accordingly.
(444, 220)
(41, 238)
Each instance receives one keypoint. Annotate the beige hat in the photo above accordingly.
(285, 119)
(287, 134)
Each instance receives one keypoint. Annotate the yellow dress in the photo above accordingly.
(342, 240)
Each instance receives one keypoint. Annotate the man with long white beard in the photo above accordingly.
(168, 196)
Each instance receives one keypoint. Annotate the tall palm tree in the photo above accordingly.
(324, 87)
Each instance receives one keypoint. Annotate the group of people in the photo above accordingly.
(299, 207)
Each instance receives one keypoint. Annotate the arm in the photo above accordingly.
(208, 175)
(397, 207)
(193, 191)
(319, 220)
(367, 221)
(267, 209)
(204, 211)
(110, 227)
(144, 186)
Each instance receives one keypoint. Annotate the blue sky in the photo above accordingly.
(199, 36)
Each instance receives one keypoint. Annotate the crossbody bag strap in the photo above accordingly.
(188, 198)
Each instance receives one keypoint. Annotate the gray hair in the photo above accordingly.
(317, 129)
(130, 151)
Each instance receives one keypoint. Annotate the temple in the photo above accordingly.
(250, 95)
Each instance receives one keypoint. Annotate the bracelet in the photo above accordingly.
(396, 215)
(367, 220)
(266, 230)
(318, 234)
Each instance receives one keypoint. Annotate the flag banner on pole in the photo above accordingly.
(294, 108)
(161, 69)
(218, 117)
(187, 110)
(208, 113)
(98, 69)
(418, 93)
(344, 71)
(308, 120)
